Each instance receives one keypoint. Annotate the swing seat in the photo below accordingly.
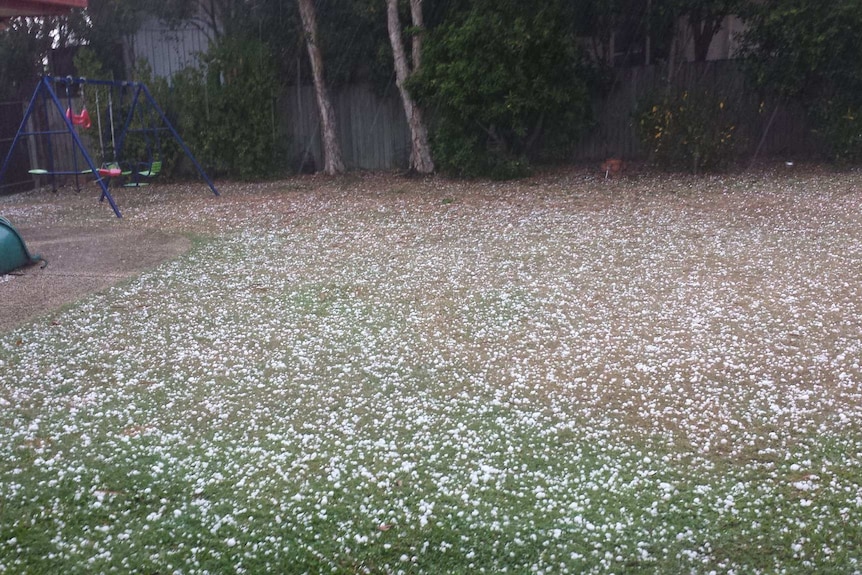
(152, 170)
(110, 172)
(44, 172)
(82, 119)
(106, 171)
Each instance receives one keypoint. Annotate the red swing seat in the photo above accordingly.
(82, 119)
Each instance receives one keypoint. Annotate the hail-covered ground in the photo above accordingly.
(375, 375)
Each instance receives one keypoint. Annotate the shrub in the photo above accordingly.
(237, 118)
(503, 79)
(693, 131)
(839, 122)
(809, 52)
(223, 111)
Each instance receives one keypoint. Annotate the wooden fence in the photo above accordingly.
(372, 128)
(374, 134)
(34, 151)
(16, 178)
(615, 132)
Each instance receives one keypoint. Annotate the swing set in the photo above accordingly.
(143, 118)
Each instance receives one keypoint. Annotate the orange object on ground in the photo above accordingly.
(612, 167)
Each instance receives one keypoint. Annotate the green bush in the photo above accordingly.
(839, 124)
(462, 151)
(224, 111)
(95, 98)
(693, 131)
(184, 103)
(808, 52)
(503, 80)
(237, 119)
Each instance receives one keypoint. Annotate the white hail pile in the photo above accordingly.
(518, 383)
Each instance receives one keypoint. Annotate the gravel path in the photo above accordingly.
(81, 260)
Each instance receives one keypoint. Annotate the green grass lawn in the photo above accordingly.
(560, 376)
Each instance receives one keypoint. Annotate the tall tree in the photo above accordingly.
(420, 150)
(332, 162)
(24, 45)
(705, 18)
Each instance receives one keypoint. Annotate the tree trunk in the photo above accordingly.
(332, 162)
(420, 151)
(704, 27)
(419, 24)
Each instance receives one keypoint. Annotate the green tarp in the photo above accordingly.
(13, 251)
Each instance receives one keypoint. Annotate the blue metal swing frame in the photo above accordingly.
(45, 90)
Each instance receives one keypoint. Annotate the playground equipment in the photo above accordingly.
(109, 169)
(144, 170)
(148, 129)
(82, 119)
(141, 105)
(13, 252)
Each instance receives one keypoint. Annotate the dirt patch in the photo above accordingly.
(81, 261)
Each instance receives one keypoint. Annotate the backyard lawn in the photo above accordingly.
(381, 375)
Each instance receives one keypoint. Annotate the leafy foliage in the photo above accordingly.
(801, 49)
(22, 49)
(690, 131)
(839, 121)
(96, 99)
(621, 31)
(355, 43)
(503, 78)
(623, 23)
(106, 24)
(227, 110)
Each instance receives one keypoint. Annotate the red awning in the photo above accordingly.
(10, 8)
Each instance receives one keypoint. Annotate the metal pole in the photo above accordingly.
(72, 131)
(122, 139)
